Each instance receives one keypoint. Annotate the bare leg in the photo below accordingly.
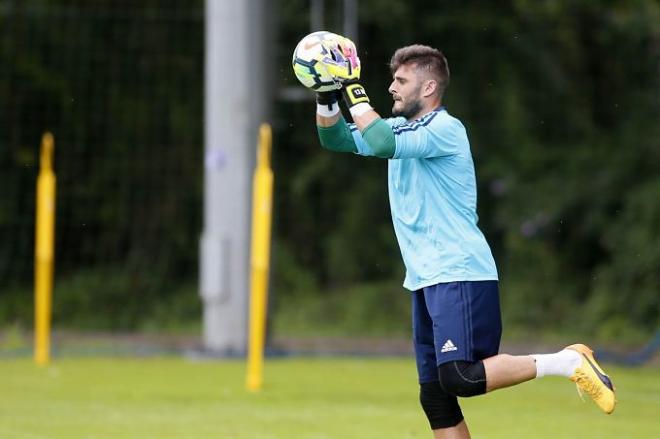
(507, 370)
(459, 431)
(501, 371)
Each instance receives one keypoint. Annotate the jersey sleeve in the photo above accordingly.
(434, 135)
(363, 147)
(336, 137)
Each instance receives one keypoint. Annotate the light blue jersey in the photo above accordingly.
(433, 199)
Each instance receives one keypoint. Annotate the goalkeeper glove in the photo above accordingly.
(327, 102)
(340, 59)
(356, 98)
(342, 62)
(328, 97)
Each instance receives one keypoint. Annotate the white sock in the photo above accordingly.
(563, 363)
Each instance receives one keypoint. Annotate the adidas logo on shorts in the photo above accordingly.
(448, 347)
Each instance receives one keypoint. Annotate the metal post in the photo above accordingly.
(316, 15)
(223, 258)
(351, 20)
(234, 107)
(44, 251)
(262, 207)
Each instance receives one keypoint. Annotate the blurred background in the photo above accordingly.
(561, 100)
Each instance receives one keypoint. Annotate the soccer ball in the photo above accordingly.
(306, 66)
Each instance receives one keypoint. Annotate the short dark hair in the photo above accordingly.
(425, 58)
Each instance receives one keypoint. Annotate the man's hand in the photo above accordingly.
(341, 59)
(327, 109)
(328, 97)
(342, 62)
(354, 93)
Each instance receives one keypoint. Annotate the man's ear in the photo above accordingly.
(429, 88)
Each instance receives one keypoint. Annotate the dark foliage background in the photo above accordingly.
(561, 100)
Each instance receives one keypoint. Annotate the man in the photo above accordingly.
(449, 267)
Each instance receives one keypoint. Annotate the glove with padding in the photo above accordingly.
(340, 59)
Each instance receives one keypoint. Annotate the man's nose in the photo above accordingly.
(392, 90)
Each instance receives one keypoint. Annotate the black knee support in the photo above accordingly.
(462, 378)
(442, 410)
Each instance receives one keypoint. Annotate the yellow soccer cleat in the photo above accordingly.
(592, 380)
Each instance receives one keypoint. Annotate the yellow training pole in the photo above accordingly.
(43, 249)
(262, 206)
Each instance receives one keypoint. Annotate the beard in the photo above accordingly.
(408, 110)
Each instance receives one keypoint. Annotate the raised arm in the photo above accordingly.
(332, 129)
(375, 131)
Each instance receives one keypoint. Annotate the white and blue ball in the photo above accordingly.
(306, 62)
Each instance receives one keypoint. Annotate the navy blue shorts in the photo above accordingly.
(455, 321)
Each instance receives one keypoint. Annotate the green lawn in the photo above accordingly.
(302, 398)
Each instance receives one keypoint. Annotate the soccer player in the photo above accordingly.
(449, 267)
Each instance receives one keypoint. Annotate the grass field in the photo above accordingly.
(302, 398)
